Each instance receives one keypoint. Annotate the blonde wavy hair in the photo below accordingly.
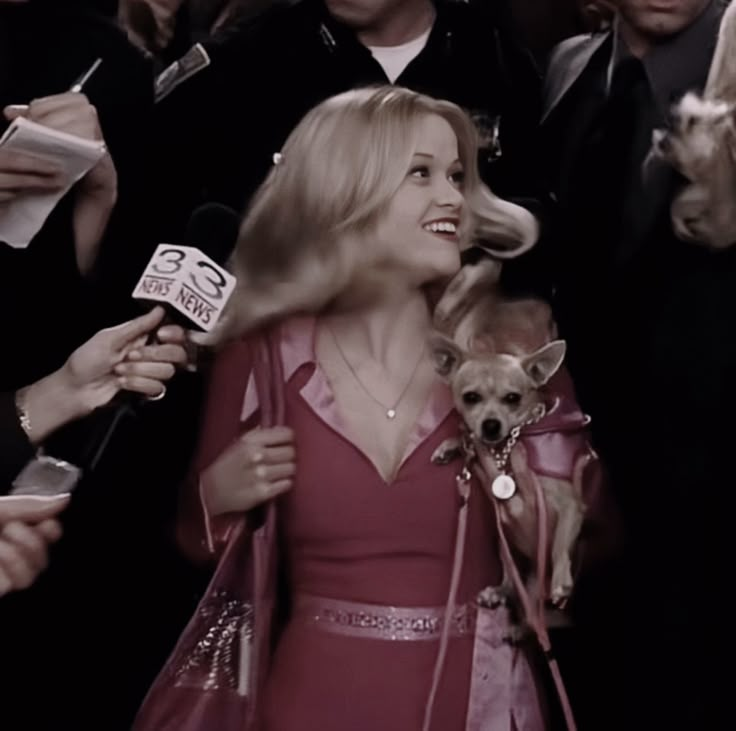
(330, 184)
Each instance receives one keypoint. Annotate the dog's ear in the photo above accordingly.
(542, 364)
(445, 353)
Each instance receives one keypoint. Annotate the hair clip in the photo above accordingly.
(278, 158)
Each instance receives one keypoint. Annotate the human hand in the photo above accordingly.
(118, 358)
(21, 174)
(257, 467)
(71, 112)
(27, 528)
(172, 347)
(114, 359)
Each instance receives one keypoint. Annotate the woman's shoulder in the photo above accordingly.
(293, 338)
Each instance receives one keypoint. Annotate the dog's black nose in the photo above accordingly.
(491, 428)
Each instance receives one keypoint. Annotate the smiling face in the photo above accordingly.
(419, 232)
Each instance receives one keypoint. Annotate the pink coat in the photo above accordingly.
(216, 675)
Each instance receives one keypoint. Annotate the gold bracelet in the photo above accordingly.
(22, 411)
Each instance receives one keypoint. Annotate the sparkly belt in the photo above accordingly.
(380, 622)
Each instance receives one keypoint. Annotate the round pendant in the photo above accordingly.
(391, 414)
(503, 487)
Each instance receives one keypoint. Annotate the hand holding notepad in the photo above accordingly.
(51, 144)
(74, 156)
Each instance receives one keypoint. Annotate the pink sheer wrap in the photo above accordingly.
(210, 679)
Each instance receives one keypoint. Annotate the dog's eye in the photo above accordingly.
(512, 399)
(472, 397)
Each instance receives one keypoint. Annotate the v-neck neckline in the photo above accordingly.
(297, 347)
(319, 397)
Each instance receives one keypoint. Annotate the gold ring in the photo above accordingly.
(159, 396)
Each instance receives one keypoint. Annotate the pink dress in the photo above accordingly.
(346, 534)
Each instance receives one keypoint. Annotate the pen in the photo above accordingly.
(85, 77)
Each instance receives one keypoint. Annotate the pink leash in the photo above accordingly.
(463, 486)
(535, 616)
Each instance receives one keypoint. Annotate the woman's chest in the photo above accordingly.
(381, 420)
(339, 491)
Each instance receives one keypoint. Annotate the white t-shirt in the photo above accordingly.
(394, 59)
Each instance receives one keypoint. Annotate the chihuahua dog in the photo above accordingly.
(497, 355)
(701, 146)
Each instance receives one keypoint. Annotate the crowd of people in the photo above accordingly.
(368, 150)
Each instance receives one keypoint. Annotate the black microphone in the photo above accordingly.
(193, 288)
(190, 283)
(215, 227)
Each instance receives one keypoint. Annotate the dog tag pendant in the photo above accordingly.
(503, 487)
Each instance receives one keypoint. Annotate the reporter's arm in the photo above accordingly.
(96, 193)
(112, 360)
(48, 404)
(92, 212)
(15, 448)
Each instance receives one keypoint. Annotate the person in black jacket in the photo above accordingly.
(44, 48)
(48, 307)
(113, 360)
(219, 127)
(648, 320)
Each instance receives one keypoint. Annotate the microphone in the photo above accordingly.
(191, 285)
(188, 281)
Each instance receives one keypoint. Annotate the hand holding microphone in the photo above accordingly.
(113, 360)
(118, 358)
(138, 356)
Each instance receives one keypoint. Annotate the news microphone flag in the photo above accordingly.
(188, 281)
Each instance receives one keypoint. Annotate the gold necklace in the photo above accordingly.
(389, 410)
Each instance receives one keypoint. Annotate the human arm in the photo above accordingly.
(96, 194)
(114, 359)
(236, 467)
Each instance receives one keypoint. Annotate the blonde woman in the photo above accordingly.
(367, 207)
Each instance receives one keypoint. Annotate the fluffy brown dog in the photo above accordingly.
(701, 146)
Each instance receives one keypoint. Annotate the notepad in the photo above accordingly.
(23, 217)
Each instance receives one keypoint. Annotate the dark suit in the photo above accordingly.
(219, 129)
(102, 603)
(648, 320)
